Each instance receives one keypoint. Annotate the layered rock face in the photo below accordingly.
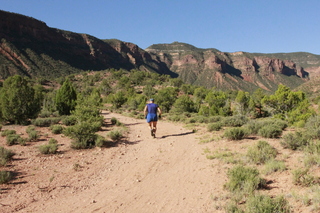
(29, 47)
(227, 70)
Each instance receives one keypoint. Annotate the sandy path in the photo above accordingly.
(167, 174)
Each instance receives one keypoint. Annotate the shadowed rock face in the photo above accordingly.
(29, 47)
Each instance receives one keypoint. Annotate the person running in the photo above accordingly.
(150, 113)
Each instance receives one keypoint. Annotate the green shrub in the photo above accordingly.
(302, 177)
(44, 114)
(175, 118)
(264, 203)
(46, 122)
(234, 121)
(261, 152)
(114, 120)
(48, 148)
(279, 123)
(198, 119)
(243, 179)
(312, 147)
(8, 132)
(100, 141)
(270, 131)
(274, 166)
(5, 156)
(5, 176)
(33, 135)
(253, 126)
(311, 159)
(294, 141)
(213, 119)
(234, 133)
(312, 127)
(57, 129)
(83, 134)
(30, 128)
(214, 127)
(115, 135)
(12, 139)
(22, 141)
(69, 120)
(232, 207)
(53, 141)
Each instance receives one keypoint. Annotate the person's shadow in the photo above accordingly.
(181, 134)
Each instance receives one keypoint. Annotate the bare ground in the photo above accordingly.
(140, 174)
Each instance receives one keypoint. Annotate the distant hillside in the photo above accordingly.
(240, 70)
(29, 47)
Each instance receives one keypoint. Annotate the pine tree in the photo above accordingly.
(18, 100)
(66, 98)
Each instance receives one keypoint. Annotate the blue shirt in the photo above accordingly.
(152, 108)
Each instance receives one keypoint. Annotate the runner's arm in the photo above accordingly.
(145, 111)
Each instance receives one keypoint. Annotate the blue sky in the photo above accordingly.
(264, 26)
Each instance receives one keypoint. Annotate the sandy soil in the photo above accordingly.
(141, 174)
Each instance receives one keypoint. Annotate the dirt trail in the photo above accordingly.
(167, 174)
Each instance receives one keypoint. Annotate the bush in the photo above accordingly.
(176, 118)
(8, 132)
(213, 119)
(115, 135)
(214, 127)
(5, 176)
(56, 129)
(270, 131)
(302, 177)
(48, 148)
(311, 159)
(294, 141)
(53, 141)
(30, 128)
(234, 121)
(243, 179)
(33, 135)
(312, 127)
(12, 139)
(45, 122)
(100, 141)
(83, 134)
(22, 141)
(274, 166)
(235, 133)
(261, 152)
(5, 156)
(114, 120)
(69, 120)
(264, 203)
(312, 147)
(232, 207)
(253, 126)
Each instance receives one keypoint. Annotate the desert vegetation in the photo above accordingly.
(73, 109)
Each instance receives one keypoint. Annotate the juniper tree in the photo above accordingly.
(18, 100)
(66, 98)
